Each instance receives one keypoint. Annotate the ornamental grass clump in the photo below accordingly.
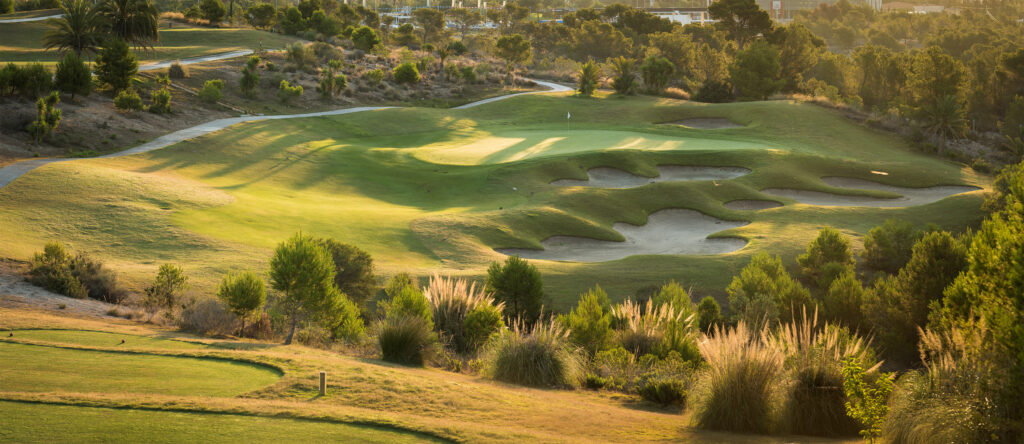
(540, 356)
(451, 301)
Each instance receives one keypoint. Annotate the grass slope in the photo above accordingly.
(22, 42)
(429, 189)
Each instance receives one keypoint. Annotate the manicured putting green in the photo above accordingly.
(514, 146)
(33, 368)
(45, 423)
(105, 339)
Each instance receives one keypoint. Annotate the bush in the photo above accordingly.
(482, 322)
(451, 301)
(51, 270)
(410, 302)
(161, 101)
(539, 357)
(177, 71)
(708, 313)
(374, 76)
(287, 92)
(764, 292)
(73, 77)
(213, 11)
(298, 54)
(208, 317)
(888, 247)
(346, 322)
(116, 65)
(211, 92)
(518, 285)
(250, 76)
(587, 79)
(714, 92)
(657, 71)
(739, 390)
(655, 329)
(166, 289)
(100, 283)
(827, 257)
(353, 270)
(48, 117)
(31, 81)
(625, 77)
(468, 74)
(405, 340)
(128, 100)
(365, 38)
(665, 392)
(406, 73)
(6, 6)
(590, 322)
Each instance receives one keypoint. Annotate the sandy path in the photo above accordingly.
(605, 177)
(672, 231)
(908, 197)
(11, 172)
(193, 60)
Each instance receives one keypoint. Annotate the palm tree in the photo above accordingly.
(78, 30)
(946, 118)
(134, 21)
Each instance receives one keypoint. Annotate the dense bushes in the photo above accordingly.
(177, 71)
(128, 100)
(207, 317)
(161, 99)
(541, 356)
(406, 73)
(374, 76)
(405, 340)
(30, 81)
(286, 92)
(211, 92)
(56, 270)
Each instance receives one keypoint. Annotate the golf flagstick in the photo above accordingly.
(568, 115)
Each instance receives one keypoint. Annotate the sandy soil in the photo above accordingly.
(16, 293)
(605, 177)
(751, 205)
(909, 197)
(672, 231)
(707, 123)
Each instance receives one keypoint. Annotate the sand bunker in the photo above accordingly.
(672, 231)
(909, 197)
(751, 205)
(707, 123)
(604, 177)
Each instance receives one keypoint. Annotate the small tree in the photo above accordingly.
(213, 11)
(866, 404)
(250, 76)
(260, 15)
(410, 301)
(657, 71)
(888, 247)
(515, 50)
(73, 77)
(590, 322)
(211, 92)
(406, 73)
(708, 313)
(244, 294)
(166, 289)
(116, 65)
(625, 75)
(354, 270)
(365, 38)
(304, 273)
(6, 6)
(47, 117)
(755, 71)
(161, 101)
(128, 100)
(518, 284)
(827, 256)
(587, 79)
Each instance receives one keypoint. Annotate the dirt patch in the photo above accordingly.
(605, 177)
(751, 205)
(707, 123)
(907, 197)
(672, 231)
(16, 293)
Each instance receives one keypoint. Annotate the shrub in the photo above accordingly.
(244, 294)
(298, 54)
(888, 247)
(365, 38)
(51, 270)
(540, 357)
(211, 92)
(739, 390)
(6, 6)
(177, 71)
(830, 247)
(48, 117)
(374, 76)
(250, 76)
(406, 73)
(518, 285)
(482, 322)
(207, 317)
(468, 74)
(405, 340)
(587, 79)
(451, 301)
(100, 283)
(714, 92)
(665, 392)
(654, 329)
(411, 302)
(656, 71)
(213, 11)
(590, 322)
(32, 80)
(625, 75)
(287, 92)
(166, 289)
(161, 101)
(116, 65)
(867, 402)
(345, 321)
(128, 100)
(708, 313)
(764, 292)
(73, 77)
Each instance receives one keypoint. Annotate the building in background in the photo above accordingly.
(786, 9)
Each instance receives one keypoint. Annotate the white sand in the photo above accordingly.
(908, 197)
(672, 231)
(605, 177)
(707, 123)
(751, 205)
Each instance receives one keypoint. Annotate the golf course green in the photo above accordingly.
(427, 190)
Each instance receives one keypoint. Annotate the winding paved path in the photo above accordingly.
(191, 60)
(11, 172)
(30, 19)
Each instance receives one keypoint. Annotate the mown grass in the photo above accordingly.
(105, 339)
(37, 368)
(22, 42)
(427, 190)
(47, 423)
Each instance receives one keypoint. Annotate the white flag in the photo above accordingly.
(568, 115)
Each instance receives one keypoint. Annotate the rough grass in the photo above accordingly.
(105, 339)
(21, 42)
(220, 203)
